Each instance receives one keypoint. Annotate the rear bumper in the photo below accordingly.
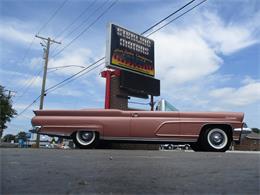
(239, 133)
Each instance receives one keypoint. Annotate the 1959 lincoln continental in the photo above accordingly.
(204, 131)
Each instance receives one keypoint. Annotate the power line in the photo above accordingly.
(75, 19)
(27, 50)
(156, 24)
(31, 43)
(74, 75)
(30, 83)
(52, 16)
(26, 84)
(176, 18)
(88, 27)
(27, 107)
(83, 22)
(61, 85)
(86, 20)
(141, 33)
(67, 80)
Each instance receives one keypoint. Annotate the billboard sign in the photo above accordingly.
(129, 51)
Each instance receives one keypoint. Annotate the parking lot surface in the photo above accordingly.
(53, 171)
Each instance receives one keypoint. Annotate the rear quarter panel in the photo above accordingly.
(191, 123)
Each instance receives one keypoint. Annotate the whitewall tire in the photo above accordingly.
(216, 139)
(85, 139)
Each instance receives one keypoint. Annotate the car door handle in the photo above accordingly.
(135, 115)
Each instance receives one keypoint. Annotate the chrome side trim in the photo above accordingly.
(147, 139)
(176, 135)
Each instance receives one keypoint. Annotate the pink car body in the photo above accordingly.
(143, 126)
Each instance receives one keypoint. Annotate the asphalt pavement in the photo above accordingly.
(54, 171)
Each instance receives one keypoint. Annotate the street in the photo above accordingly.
(53, 171)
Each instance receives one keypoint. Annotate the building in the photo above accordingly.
(250, 142)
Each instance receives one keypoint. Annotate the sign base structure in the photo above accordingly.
(120, 85)
(115, 98)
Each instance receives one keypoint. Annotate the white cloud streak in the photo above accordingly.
(79, 57)
(183, 55)
(242, 96)
(227, 38)
(16, 31)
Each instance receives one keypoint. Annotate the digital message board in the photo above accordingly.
(129, 51)
(139, 84)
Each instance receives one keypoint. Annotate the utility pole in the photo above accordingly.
(10, 93)
(46, 49)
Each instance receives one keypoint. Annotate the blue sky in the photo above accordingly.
(208, 60)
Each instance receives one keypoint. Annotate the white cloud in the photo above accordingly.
(193, 53)
(68, 92)
(34, 81)
(248, 80)
(78, 57)
(242, 96)
(17, 32)
(183, 55)
(36, 63)
(227, 38)
(11, 73)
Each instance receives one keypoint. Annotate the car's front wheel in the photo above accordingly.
(216, 139)
(85, 139)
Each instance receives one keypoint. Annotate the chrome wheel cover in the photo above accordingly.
(217, 138)
(85, 137)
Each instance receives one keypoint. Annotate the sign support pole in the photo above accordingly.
(108, 89)
(152, 103)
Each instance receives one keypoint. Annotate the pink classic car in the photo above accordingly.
(204, 131)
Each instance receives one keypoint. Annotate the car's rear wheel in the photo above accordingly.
(216, 139)
(85, 139)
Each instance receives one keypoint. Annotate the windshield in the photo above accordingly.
(169, 107)
(165, 106)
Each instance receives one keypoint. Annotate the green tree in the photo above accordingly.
(22, 135)
(6, 110)
(256, 130)
(8, 138)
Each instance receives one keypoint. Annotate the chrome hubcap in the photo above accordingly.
(217, 138)
(85, 137)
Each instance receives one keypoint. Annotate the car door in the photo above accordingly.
(154, 124)
(116, 125)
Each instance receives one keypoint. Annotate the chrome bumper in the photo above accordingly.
(240, 133)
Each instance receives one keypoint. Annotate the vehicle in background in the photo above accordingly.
(175, 147)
